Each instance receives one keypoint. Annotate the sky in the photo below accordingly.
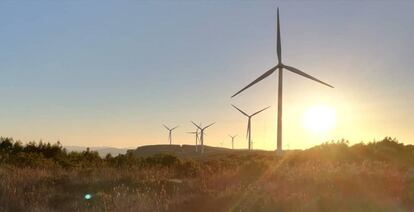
(110, 73)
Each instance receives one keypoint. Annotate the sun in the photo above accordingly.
(319, 119)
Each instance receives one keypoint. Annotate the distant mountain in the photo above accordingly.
(103, 151)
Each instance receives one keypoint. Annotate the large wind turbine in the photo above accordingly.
(232, 140)
(202, 134)
(280, 66)
(249, 129)
(196, 138)
(169, 132)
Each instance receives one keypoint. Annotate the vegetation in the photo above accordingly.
(335, 176)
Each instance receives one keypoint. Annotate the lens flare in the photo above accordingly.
(87, 196)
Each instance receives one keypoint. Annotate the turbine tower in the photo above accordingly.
(169, 132)
(196, 138)
(232, 140)
(202, 134)
(280, 67)
(249, 129)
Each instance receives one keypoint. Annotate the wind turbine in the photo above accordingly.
(196, 139)
(280, 66)
(232, 140)
(202, 134)
(249, 129)
(169, 132)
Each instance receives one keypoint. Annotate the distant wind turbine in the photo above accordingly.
(249, 129)
(169, 132)
(232, 140)
(196, 138)
(280, 66)
(202, 134)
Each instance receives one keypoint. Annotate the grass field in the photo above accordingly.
(331, 177)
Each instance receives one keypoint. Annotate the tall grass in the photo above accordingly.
(377, 176)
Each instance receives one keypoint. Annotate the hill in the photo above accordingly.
(188, 151)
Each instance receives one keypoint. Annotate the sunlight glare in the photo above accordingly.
(319, 119)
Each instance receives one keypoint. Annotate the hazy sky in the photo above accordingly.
(109, 73)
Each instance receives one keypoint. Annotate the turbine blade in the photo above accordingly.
(248, 127)
(297, 71)
(166, 127)
(266, 74)
(174, 128)
(279, 43)
(240, 110)
(260, 111)
(209, 125)
(196, 125)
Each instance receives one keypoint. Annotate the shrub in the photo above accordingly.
(188, 169)
(162, 160)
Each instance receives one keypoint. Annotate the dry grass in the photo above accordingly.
(258, 185)
(330, 177)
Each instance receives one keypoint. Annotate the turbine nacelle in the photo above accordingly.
(170, 129)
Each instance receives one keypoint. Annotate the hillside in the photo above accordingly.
(188, 151)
